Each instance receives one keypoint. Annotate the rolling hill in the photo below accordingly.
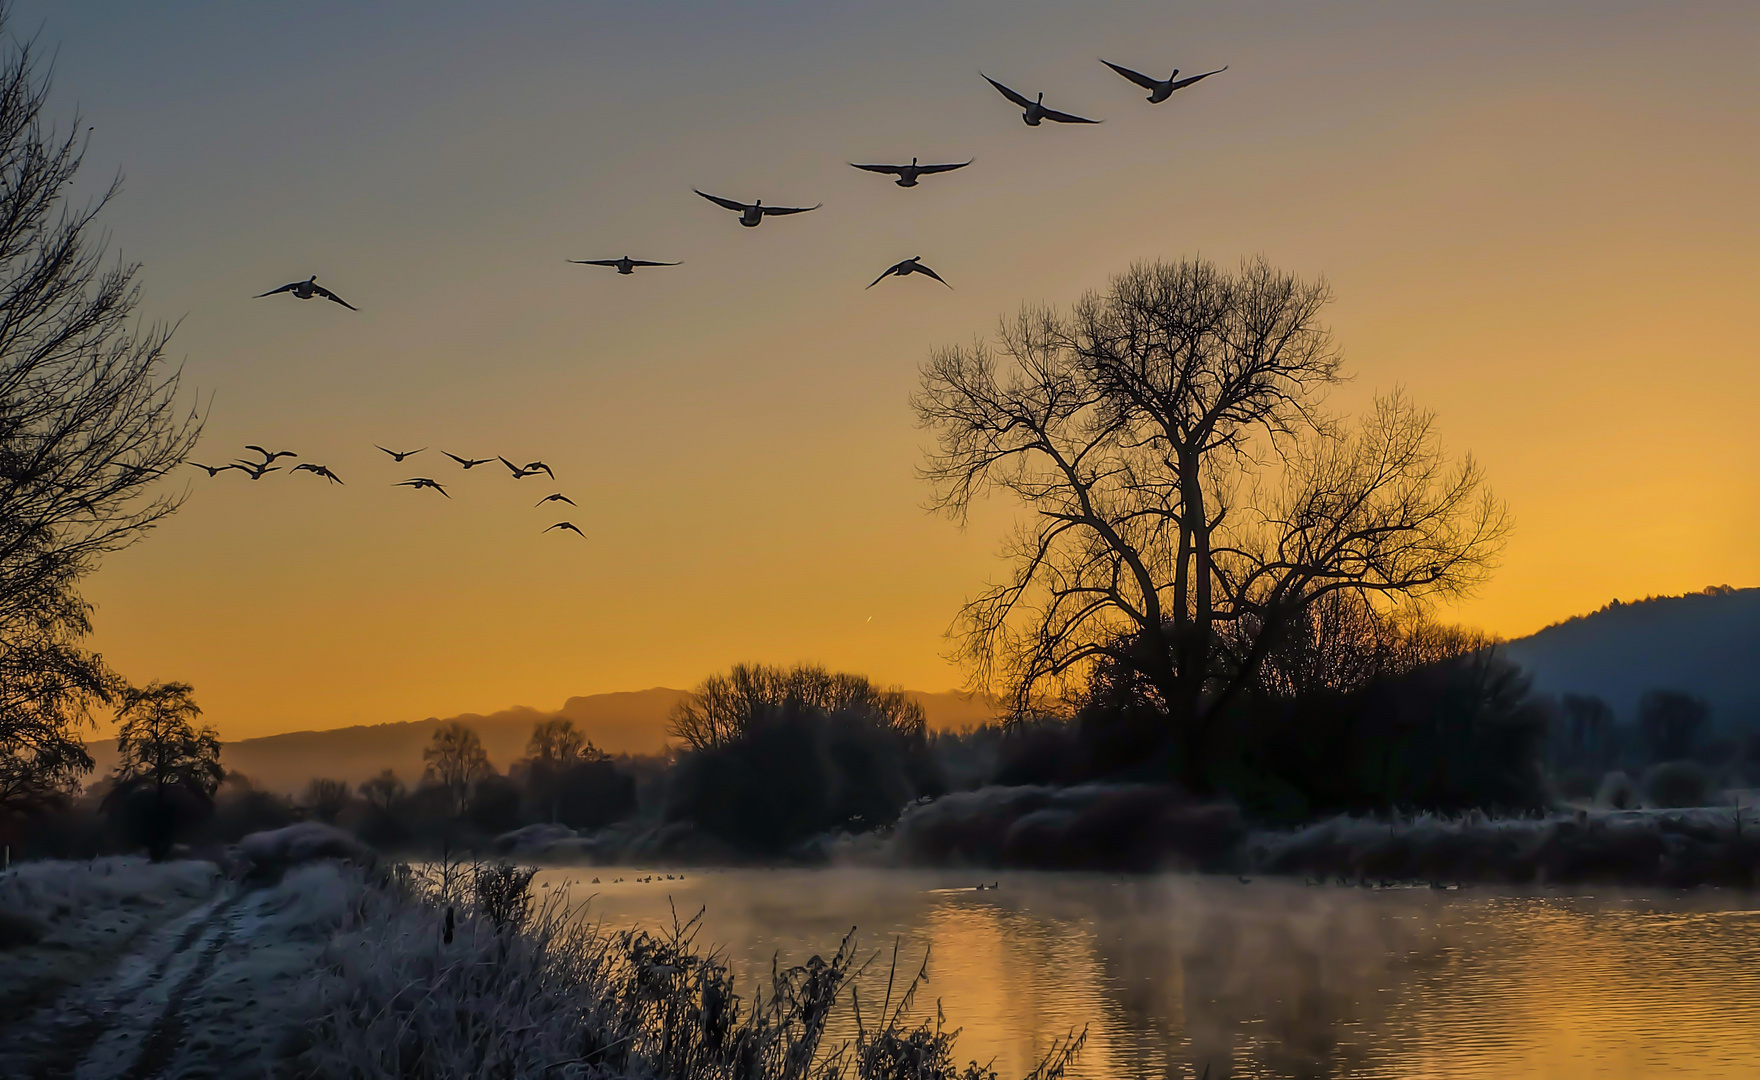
(628, 722)
(1706, 643)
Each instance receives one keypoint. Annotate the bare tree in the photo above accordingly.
(724, 707)
(88, 424)
(556, 745)
(456, 761)
(382, 790)
(326, 799)
(1190, 497)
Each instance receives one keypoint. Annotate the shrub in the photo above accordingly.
(1575, 784)
(788, 772)
(503, 893)
(591, 795)
(1617, 792)
(1676, 784)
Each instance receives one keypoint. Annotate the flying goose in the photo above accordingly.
(307, 289)
(625, 265)
(420, 482)
(569, 525)
(1036, 110)
(912, 265)
(318, 470)
(269, 458)
(908, 174)
(469, 463)
(533, 468)
(1161, 89)
(750, 214)
(255, 470)
(213, 470)
(558, 497)
(398, 455)
(518, 472)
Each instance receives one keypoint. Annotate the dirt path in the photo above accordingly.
(210, 993)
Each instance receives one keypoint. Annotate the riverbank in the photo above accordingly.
(1674, 848)
(1146, 829)
(447, 970)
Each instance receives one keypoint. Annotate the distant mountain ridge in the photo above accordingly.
(631, 722)
(1706, 643)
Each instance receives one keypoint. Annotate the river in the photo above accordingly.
(1261, 978)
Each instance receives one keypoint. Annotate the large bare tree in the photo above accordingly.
(1190, 497)
(89, 422)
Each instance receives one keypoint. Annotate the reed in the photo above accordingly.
(547, 995)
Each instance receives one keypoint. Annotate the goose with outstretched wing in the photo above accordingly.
(307, 289)
(753, 214)
(625, 265)
(1161, 89)
(908, 174)
(1036, 111)
(912, 265)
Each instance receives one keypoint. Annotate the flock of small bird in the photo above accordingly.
(256, 470)
(1033, 113)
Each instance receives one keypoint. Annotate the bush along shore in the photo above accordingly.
(1137, 828)
(455, 970)
(1677, 848)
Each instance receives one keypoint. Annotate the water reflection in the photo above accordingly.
(1268, 978)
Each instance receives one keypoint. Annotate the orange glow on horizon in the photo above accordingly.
(1540, 223)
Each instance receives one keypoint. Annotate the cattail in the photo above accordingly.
(446, 939)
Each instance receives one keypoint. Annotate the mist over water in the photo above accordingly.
(1267, 979)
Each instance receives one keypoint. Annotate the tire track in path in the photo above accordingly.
(99, 1029)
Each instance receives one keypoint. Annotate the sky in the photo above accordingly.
(1538, 218)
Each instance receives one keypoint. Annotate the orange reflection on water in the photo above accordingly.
(1268, 978)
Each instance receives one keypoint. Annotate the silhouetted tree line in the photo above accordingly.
(1354, 710)
(1673, 751)
(775, 756)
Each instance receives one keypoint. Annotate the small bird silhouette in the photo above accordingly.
(420, 482)
(255, 470)
(908, 174)
(307, 289)
(213, 470)
(625, 265)
(558, 497)
(569, 525)
(1161, 89)
(469, 463)
(532, 468)
(398, 455)
(1036, 110)
(752, 214)
(912, 265)
(318, 470)
(269, 458)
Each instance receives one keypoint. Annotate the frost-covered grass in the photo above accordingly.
(421, 982)
(1636, 847)
(62, 890)
(85, 912)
